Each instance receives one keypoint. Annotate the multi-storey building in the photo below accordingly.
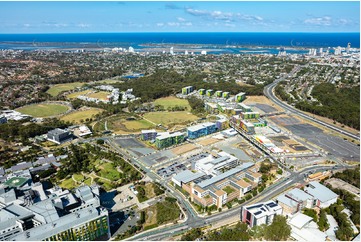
(225, 95)
(54, 214)
(59, 136)
(240, 97)
(294, 201)
(149, 134)
(165, 140)
(216, 164)
(323, 196)
(260, 213)
(200, 130)
(209, 92)
(206, 190)
(218, 94)
(187, 90)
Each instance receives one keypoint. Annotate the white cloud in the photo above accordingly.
(321, 21)
(160, 24)
(225, 16)
(172, 24)
(188, 24)
(82, 25)
(181, 19)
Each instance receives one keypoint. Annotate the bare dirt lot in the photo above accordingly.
(262, 100)
(183, 149)
(208, 141)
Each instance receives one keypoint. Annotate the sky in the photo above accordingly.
(191, 16)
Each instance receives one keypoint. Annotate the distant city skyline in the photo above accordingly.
(214, 16)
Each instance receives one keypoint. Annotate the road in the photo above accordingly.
(269, 92)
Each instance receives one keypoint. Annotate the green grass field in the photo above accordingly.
(75, 94)
(136, 125)
(100, 95)
(68, 184)
(78, 177)
(81, 115)
(58, 88)
(43, 110)
(167, 118)
(172, 102)
(108, 171)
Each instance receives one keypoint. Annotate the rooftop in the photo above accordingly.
(16, 181)
(187, 176)
(300, 220)
(320, 192)
(225, 174)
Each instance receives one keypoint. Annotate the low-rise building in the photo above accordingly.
(83, 131)
(260, 213)
(303, 228)
(59, 136)
(294, 201)
(208, 190)
(215, 165)
(323, 196)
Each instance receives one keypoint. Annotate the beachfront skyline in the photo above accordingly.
(88, 17)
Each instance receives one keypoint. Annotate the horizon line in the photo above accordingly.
(150, 32)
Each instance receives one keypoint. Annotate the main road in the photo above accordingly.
(269, 92)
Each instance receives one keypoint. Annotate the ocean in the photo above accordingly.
(230, 42)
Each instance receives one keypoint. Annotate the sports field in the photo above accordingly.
(58, 88)
(43, 110)
(172, 102)
(100, 95)
(136, 125)
(75, 94)
(83, 114)
(167, 118)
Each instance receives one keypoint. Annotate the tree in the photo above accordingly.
(192, 235)
(278, 230)
(322, 221)
(100, 141)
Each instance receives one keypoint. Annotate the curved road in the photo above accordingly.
(268, 92)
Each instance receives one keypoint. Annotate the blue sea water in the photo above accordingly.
(138, 40)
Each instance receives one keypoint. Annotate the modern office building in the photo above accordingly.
(219, 94)
(59, 136)
(225, 95)
(240, 97)
(149, 134)
(260, 213)
(209, 92)
(244, 107)
(208, 190)
(323, 196)
(200, 130)
(222, 123)
(216, 164)
(166, 139)
(187, 90)
(294, 201)
(36, 214)
(250, 115)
